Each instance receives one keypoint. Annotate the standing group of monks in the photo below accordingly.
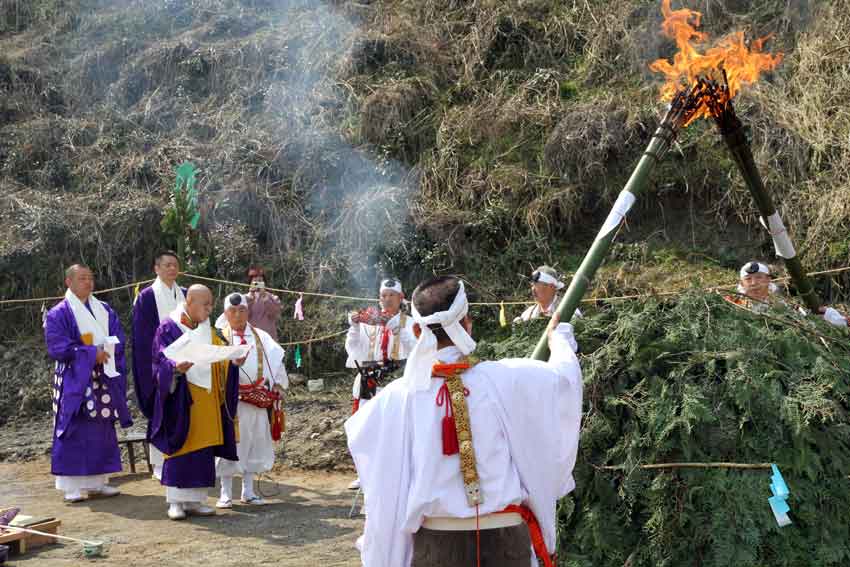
(461, 462)
(202, 421)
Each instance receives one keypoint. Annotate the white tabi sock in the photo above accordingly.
(227, 488)
(247, 486)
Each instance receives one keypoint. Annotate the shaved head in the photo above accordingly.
(197, 290)
(199, 303)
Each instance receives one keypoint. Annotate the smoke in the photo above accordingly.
(358, 196)
(253, 92)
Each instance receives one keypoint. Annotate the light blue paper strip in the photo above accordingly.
(778, 504)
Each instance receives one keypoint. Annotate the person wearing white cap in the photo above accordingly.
(262, 371)
(755, 282)
(759, 293)
(545, 285)
(387, 336)
(457, 451)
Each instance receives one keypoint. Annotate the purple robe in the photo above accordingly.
(145, 323)
(169, 425)
(86, 402)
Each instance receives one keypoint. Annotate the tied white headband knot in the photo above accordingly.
(391, 285)
(232, 300)
(753, 268)
(543, 277)
(417, 372)
(235, 300)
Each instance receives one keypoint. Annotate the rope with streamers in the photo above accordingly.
(375, 300)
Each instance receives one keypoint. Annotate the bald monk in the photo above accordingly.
(192, 425)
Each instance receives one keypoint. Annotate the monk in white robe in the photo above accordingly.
(757, 292)
(455, 445)
(545, 285)
(263, 368)
(391, 339)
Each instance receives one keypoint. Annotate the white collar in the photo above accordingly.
(449, 354)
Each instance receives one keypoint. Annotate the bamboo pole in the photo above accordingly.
(718, 98)
(744, 466)
(734, 136)
(676, 116)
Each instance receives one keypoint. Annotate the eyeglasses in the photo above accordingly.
(389, 283)
(535, 276)
(752, 268)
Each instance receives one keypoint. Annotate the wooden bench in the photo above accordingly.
(130, 441)
(20, 542)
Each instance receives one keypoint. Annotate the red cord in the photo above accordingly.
(477, 536)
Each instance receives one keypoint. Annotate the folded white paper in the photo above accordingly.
(109, 348)
(203, 355)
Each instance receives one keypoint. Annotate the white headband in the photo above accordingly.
(543, 277)
(762, 269)
(221, 322)
(417, 372)
(396, 288)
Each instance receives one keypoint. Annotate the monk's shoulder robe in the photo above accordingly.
(190, 425)
(145, 323)
(86, 402)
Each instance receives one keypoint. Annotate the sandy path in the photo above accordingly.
(305, 524)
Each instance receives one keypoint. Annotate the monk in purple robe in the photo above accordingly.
(152, 306)
(192, 425)
(85, 338)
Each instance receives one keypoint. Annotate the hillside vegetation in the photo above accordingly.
(341, 140)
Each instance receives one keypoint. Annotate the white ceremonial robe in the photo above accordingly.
(255, 447)
(524, 417)
(534, 311)
(363, 342)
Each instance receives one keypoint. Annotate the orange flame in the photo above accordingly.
(743, 65)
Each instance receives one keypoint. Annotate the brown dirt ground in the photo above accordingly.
(307, 522)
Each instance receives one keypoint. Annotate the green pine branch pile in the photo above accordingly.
(699, 380)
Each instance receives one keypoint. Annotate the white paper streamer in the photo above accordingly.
(781, 240)
(618, 212)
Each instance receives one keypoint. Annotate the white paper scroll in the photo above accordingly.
(202, 355)
(781, 240)
(618, 212)
(109, 348)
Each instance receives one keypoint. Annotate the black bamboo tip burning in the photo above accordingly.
(686, 105)
(682, 110)
(717, 97)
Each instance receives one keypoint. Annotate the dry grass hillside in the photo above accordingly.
(340, 140)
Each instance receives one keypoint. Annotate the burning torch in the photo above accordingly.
(719, 101)
(694, 94)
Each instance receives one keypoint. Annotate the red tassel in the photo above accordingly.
(355, 406)
(277, 424)
(450, 443)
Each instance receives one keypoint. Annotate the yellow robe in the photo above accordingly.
(205, 427)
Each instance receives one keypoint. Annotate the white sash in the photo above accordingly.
(273, 367)
(167, 300)
(97, 325)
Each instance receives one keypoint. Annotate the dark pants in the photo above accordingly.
(500, 547)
